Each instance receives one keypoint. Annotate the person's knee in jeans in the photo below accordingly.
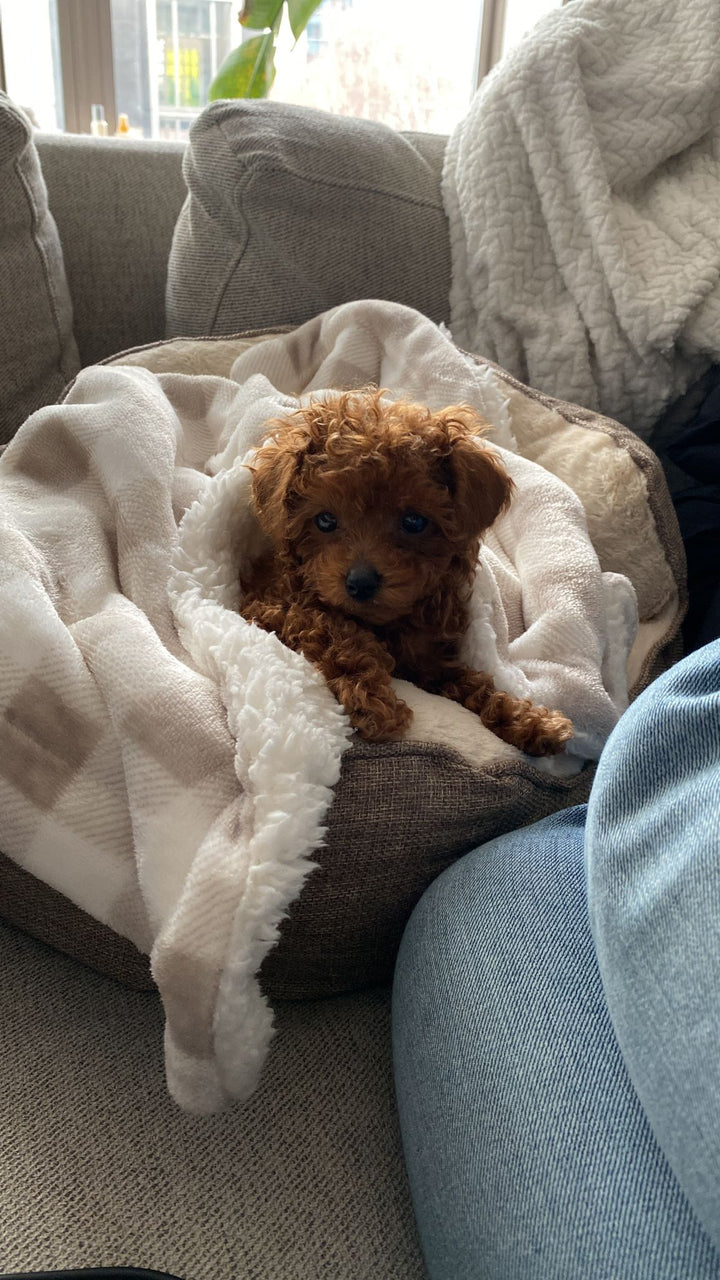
(523, 1131)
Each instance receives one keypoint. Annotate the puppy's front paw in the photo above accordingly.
(532, 729)
(383, 726)
(376, 718)
(545, 733)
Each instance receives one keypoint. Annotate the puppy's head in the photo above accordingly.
(374, 501)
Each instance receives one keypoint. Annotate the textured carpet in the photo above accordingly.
(98, 1167)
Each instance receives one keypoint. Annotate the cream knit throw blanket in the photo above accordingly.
(582, 191)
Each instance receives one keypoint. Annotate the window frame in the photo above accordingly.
(86, 60)
(3, 79)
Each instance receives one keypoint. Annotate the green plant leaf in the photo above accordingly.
(258, 15)
(247, 72)
(300, 13)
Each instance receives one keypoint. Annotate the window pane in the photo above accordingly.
(521, 15)
(393, 62)
(32, 65)
(408, 63)
(166, 54)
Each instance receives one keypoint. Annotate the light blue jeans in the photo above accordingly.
(556, 1022)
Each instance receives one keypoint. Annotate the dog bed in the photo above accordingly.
(169, 775)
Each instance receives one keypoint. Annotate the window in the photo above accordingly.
(165, 56)
(520, 15)
(413, 64)
(31, 60)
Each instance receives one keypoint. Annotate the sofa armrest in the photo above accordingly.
(115, 202)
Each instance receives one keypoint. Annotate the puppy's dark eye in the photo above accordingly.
(326, 522)
(414, 523)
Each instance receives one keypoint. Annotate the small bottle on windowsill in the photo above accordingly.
(98, 123)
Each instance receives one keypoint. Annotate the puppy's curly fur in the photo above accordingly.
(374, 511)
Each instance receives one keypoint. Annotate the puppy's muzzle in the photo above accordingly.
(362, 582)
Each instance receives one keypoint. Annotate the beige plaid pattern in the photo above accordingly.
(115, 756)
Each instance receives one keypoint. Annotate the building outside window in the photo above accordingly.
(190, 41)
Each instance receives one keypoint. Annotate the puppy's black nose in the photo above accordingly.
(362, 582)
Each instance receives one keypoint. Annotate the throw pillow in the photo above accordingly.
(291, 211)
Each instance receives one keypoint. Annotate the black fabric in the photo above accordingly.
(696, 451)
(91, 1273)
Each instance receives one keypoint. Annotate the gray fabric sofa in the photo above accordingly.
(98, 1167)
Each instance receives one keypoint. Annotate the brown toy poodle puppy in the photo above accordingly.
(374, 511)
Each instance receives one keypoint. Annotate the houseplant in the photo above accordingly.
(249, 70)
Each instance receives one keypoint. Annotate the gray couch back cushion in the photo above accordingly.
(291, 211)
(115, 202)
(38, 355)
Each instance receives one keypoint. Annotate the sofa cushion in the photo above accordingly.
(115, 202)
(38, 355)
(291, 211)
(98, 1165)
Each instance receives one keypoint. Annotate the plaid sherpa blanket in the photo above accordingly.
(582, 191)
(169, 767)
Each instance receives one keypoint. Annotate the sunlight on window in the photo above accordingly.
(31, 60)
(411, 65)
(521, 15)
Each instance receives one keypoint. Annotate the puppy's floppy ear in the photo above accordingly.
(480, 485)
(279, 462)
(274, 467)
